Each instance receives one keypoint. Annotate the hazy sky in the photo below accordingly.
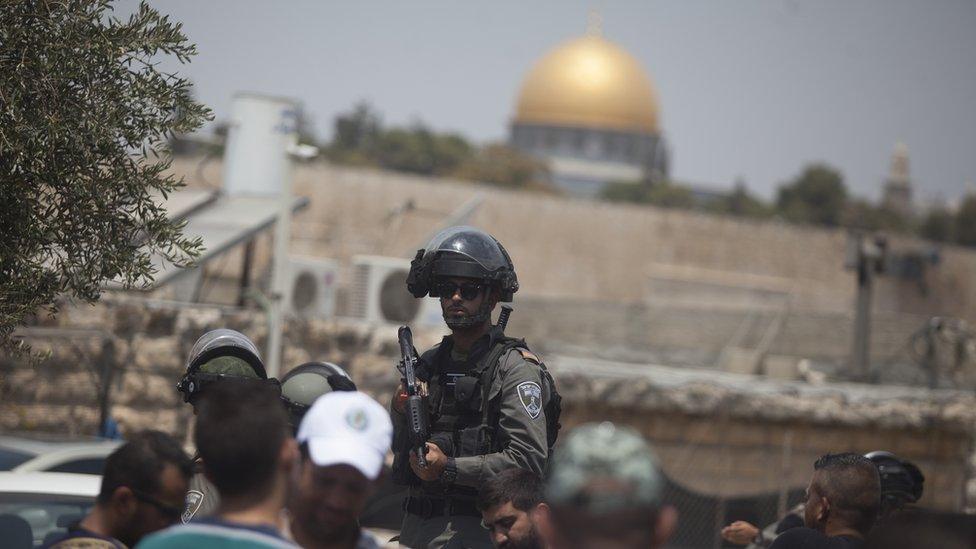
(750, 89)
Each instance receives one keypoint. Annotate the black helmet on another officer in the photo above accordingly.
(302, 385)
(463, 252)
(220, 355)
(901, 481)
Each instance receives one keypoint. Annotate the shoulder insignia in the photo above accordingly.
(530, 356)
(530, 394)
(194, 498)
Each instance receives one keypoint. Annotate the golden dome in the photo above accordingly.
(592, 83)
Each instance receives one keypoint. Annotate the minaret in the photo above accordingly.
(594, 23)
(898, 187)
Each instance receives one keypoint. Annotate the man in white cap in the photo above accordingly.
(344, 438)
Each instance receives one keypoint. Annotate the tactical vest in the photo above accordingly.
(464, 418)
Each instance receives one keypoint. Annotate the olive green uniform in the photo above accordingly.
(443, 515)
(202, 499)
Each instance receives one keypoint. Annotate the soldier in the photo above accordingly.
(218, 357)
(902, 482)
(492, 404)
(303, 384)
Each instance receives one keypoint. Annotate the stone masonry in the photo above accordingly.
(717, 433)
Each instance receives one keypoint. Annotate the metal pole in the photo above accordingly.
(245, 282)
(105, 374)
(930, 353)
(720, 504)
(785, 466)
(862, 323)
(282, 234)
(860, 355)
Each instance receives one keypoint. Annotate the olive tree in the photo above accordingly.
(86, 111)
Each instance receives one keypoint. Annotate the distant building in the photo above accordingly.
(591, 111)
(897, 195)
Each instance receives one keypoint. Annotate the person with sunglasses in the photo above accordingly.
(492, 404)
(143, 486)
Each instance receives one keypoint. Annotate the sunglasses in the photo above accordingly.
(171, 512)
(468, 290)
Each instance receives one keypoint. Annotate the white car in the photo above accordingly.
(38, 507)
(36, 452)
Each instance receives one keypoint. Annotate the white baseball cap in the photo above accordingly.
(347, 427)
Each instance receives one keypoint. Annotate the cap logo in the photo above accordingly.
(530, 394)
(357, 419)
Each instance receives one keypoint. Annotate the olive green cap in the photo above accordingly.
(602, 468)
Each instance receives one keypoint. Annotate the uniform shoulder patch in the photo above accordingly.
(530, 356)
(194, 498)
(530, 395)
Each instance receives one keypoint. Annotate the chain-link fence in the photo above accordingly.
(701, 516)
(719, 472)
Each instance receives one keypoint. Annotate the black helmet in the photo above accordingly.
(901, 480)
(462, 252)
(303, 384)
(218, 355)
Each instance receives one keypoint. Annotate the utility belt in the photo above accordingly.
(427, 507)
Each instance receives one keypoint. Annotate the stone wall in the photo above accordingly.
(627, 282)
(733, 435)
(598, 251)
(647, 332)
(729, 457)
(142, 345)
(718, 434)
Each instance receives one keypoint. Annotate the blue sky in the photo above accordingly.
(750, 89)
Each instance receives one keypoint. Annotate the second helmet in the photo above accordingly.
(302, 385)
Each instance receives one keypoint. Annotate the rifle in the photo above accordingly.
(416, 408)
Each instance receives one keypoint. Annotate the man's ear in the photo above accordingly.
(541, 517)
(824, 512)
(381, 478)
(123, 502)
(539, 513)
(667, 522)
(205, 470)
(289, 455)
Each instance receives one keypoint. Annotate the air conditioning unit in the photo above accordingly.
(378, 294)
(311, 287)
